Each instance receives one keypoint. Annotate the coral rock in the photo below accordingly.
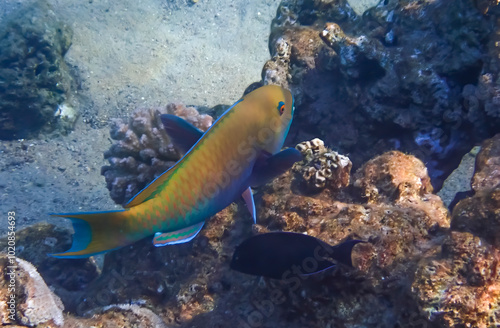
(143, 150)
(393, 177)
(487, 175)
(322, 167)
(36, 305)
(36, 84)
(461, 287)
(480, 214)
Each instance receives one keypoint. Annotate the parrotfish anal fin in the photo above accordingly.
(268, 168)
(177, 237)
(248, 198)
(182, 133)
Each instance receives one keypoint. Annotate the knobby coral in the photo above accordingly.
(322, 167)
(143, 150)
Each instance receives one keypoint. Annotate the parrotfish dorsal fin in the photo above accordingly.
(182, 133)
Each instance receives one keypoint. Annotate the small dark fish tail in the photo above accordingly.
(342, 252)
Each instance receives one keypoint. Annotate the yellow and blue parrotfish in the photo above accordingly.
(240, 150)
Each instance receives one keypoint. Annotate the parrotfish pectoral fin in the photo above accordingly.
(182, 133)
(274, 166)
(95, 232)
(177, 237)
(342, 252)
(248, 198)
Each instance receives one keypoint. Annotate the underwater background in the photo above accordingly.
(397, 117)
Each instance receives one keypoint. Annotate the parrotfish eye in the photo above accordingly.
(281, 107)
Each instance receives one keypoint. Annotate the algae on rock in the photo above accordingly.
(35, 82)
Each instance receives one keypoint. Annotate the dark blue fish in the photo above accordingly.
(279, 255)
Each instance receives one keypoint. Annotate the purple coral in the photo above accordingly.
(143, 149)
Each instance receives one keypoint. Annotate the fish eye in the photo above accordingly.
(281, 107)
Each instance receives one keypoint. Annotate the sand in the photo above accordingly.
(129, 54)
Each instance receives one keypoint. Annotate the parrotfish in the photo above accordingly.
(280, 255)
(242, 149)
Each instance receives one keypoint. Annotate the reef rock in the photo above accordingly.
(387, 178)
(67, 278)
(395, 78)
(461, 285)
(142, 150)
(35, 82)
(118, 315)
(487, 175)
(35, 304)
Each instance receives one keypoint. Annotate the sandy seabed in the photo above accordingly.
(129, 54)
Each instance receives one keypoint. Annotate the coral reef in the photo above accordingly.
(391, 79)
(322, 167)
(461, 286)
(35, 82)
(142, 150)
(414, 270)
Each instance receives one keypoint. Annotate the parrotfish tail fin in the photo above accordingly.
(342, 252)
(95, 232)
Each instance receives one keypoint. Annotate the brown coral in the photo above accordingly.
(143, 150)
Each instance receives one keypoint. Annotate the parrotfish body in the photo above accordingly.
(241, 149)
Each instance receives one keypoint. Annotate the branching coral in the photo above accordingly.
(143, 150)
